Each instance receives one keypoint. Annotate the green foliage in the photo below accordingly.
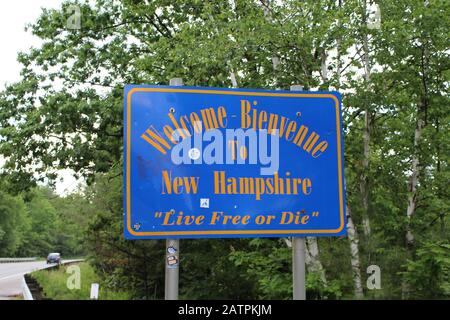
(135, 266)
(37, 222)
(72, 221)
(40, 240)
(207, 272)
(66, 112)
(316, 289)
(54, 284)
(267, 263)
(56, 224)
(13, 223)
(429, 273)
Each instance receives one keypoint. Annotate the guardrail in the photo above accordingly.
(26, 292)
(11, 260)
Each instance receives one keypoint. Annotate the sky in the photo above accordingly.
(14, 16)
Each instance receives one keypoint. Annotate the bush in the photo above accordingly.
(55, 284)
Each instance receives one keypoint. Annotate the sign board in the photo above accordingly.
(209, 162)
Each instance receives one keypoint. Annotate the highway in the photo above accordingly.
(11, 277)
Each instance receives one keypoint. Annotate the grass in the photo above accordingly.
(55, 284)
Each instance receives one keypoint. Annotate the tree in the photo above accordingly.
(72, 221)
(13, 223)
(66, 112)
(39, 240)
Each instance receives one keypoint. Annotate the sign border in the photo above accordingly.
(231, 232)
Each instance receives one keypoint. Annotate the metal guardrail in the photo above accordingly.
(11, 260)
(26, 291)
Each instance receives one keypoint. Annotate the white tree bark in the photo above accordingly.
(365, 169)
(414, 180)
(420, 124)
(354, 250)
(312, 260)
(312, 253)
(366, 138)
(323, 65)
(412, 188)
(415, 162)
(351, 229)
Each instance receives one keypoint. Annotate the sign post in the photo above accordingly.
(298, 268)
(172, 249)
(298, 254)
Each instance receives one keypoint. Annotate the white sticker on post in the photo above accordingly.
(204, 203)
(194, 154)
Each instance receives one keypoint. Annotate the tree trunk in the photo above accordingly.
(412, 199)
(312, 260)
(364, 188)
(413, 181)
(351, 230)
(323, 65)
(354, 250)
(421, 116)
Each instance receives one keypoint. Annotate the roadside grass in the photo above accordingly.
(55, 284)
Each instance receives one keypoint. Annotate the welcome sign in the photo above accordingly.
(209, 162)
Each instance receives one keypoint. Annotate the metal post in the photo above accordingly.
(172, 268)
(298, 254)
(298, 268)
(172, 249)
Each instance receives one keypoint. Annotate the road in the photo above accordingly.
(11, 277)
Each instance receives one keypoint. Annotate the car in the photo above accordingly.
(54, 258)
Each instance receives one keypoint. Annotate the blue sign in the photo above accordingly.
(217, 163)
